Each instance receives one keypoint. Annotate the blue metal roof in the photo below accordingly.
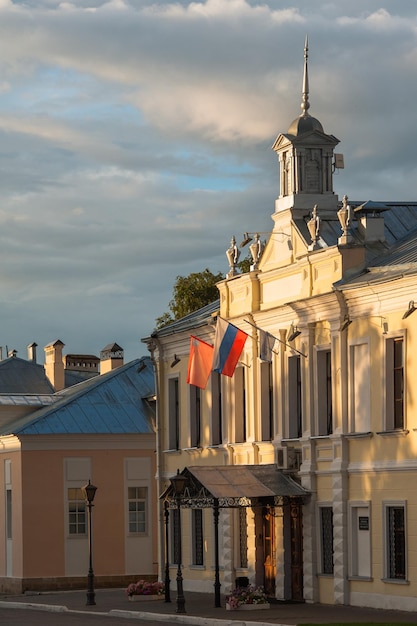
(18, 376)
(119, 402)
(188, 322)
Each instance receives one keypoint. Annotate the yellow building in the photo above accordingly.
(309, 458)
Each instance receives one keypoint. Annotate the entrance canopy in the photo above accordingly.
(236, 485)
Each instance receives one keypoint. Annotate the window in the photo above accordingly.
(174, 414)
(77, 518)
(175, 527)
(294, 397)
(198, 543)
(240, 405)
(395, 383)
(216, 409)
(326, 539)
(8, 513)
(266, 402)
(395, 542)
(195, 416)
(137, 505)
(324, 392)
(243, 538)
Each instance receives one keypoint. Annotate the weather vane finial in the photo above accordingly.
(305, 105)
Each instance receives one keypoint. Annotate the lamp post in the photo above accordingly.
(178, 483)
(167, 581)
(89, 492)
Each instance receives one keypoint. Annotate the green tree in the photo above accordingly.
(244, 264)
(190, 293)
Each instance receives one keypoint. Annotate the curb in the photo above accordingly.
(138, 615)
(186, 619)
(53, 608)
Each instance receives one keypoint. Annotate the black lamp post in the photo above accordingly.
(89, 492)
(167, 580)
(178, 483)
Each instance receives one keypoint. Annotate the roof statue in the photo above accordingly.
(256, 249)
(314, 227)
(233, 254)
(345, 215)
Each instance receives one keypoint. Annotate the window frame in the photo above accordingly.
(324, 549)
(267, 400)
(174, 528)
(388, 507)
(80, 512)
(195, 416)
(145, 500)
(216, 409)
(390, 381)
(240, 433)
(324, 393)
(197, 526)
(295, 397)
(174, 413)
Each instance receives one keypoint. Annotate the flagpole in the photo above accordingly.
(276, 339)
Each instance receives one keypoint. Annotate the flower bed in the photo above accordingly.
(247, 598)
(144, 590)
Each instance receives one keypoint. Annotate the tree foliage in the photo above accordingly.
(191, 293)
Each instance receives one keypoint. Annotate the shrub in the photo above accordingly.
(145, 588)
(246, 595)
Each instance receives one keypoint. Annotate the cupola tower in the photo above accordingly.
(306, 159)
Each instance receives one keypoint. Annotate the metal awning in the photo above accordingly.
(236, 485)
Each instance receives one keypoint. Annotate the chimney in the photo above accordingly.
(371, 221)
(32, 352)
(54, 366)
(111, 357)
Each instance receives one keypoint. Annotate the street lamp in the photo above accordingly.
(167, 580)
(89, 492)
(178, 483)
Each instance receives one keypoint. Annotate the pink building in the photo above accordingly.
(52, 443)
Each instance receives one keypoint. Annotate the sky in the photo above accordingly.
(135, 140)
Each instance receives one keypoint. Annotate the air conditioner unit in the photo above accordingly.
(294, 458)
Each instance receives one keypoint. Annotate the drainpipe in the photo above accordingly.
(153, 345)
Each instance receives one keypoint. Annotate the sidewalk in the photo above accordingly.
(200, 610)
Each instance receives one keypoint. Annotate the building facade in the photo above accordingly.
(327, 423)
(52, 444)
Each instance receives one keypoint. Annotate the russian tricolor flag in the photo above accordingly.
(228, 345)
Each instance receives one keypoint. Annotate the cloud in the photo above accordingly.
(135, 139)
